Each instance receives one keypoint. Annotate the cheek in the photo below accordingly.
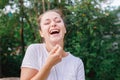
(45, 32)
(63, 28)
(44, 28)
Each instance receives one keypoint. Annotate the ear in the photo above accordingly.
(41, 34)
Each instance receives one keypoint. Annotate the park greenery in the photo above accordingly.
(93, 34)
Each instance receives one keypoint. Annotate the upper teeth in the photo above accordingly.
(54, 31)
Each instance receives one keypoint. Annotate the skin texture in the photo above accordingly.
(50, 22)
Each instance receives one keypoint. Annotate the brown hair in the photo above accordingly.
(53, 10)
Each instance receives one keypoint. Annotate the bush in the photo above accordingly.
(11, 65)
(92, 36)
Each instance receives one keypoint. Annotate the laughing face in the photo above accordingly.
(52, 27)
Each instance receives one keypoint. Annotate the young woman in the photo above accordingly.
(48, 60)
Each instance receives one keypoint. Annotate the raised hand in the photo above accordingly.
(55, 55)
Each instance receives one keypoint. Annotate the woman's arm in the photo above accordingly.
(32, 74)
(27, 73)
(55, 56)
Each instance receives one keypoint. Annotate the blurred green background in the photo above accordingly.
(93, 34)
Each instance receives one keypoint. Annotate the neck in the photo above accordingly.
(50, 45)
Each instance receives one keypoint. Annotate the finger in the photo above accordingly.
(60, 56)
(59, 50)
(54, 49)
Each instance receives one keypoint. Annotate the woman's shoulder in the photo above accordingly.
(36, 45)
(73, 58)
(73, 61)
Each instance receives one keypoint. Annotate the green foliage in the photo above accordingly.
(11, 65)
(11, 44)
(3, 3)
(92, 35)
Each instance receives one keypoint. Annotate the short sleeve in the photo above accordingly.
(30, 59)
(80, 70)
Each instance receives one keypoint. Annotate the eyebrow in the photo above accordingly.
(55, 17)
(47, 19)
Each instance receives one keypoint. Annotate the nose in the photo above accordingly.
(53, 24)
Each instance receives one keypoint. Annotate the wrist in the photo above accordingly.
(48, 66)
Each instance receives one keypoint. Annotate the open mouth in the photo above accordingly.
(54, 31)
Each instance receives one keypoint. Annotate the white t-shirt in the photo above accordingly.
(70, 68)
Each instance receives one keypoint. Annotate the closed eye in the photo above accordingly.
(57, 20)
(47, 22)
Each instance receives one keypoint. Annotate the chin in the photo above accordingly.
(56, 40)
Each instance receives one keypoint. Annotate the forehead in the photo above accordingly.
(50, 15)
